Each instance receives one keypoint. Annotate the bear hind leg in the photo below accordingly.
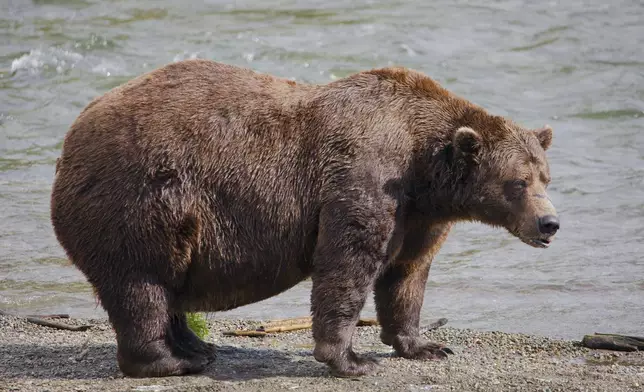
(186, 342)
(146, 346)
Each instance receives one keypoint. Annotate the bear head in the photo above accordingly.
(508, 175)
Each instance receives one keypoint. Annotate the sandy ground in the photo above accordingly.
(35, 358)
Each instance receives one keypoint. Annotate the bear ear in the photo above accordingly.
(544, 135)
(467, 141)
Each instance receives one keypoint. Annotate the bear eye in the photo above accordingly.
(515, 189)
(519, 184)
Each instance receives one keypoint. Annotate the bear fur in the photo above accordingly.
(202, 186)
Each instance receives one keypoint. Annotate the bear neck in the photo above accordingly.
(442, 184)
(442, 187)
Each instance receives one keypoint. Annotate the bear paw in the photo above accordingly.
(417, 348)
(196, 349)
(163, 367)
(344, 363)
(354, 366)
(157, 360)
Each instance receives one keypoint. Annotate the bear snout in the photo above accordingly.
(548, 224)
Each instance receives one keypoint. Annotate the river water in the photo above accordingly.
(576, 65)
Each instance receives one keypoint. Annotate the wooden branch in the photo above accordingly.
(57, 325)
(291, 321)
(299, 323)
(303, 323)
(367, 322)
(286, 328)
(42, 316)
(608, 341)
(49, 316)
(436, 324)
(242, 332)
(42, 321)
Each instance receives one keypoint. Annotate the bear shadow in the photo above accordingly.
(235, 363)
(98, 361)
(42, 361)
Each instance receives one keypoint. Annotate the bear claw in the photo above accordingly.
(447, 350)
(415, 348)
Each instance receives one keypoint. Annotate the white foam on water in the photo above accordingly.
(51, 58)
(62, 60)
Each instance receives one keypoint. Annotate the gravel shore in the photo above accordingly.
(36, 358)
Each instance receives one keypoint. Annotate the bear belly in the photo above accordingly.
(227, 284)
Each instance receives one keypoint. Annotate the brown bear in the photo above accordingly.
(202, 186)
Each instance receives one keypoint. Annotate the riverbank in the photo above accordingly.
(36, 358)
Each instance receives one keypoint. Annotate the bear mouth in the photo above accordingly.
(538, 242)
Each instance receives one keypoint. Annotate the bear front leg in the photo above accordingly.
(349, 254)
(399, 295)
(336, 301)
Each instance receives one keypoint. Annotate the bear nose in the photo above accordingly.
(548, 224)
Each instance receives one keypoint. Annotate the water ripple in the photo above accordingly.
(609, 114)
(534, 45)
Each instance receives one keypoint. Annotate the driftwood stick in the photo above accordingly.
(57, 325)
(42, 321)
(303, 323)
(638, 338)
(435, 325)
(286, 328)
(299, 323)
(283, 322)
(42, 316)
(49, 316)
(242, 332)
(287, 325)
(367, 322)
(608, 341)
